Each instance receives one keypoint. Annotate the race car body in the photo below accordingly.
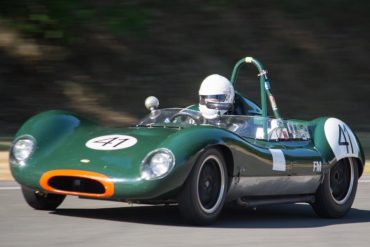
(175, 155)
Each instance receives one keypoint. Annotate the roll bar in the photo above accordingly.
(264, 85)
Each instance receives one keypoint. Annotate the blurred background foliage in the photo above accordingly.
(101, 59)
(62, 21)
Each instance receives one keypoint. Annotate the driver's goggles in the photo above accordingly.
(217, 98)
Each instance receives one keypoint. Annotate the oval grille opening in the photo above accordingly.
(76, 184)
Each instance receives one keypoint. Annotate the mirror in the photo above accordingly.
(151, 103)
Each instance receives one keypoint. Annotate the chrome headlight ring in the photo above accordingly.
(157, 164)
(22, 149)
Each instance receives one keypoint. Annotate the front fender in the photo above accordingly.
(189, 143)
(48, 127)
(49, 130)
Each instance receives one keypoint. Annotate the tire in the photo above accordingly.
(42, 201)
(336, 194)
(203, 195)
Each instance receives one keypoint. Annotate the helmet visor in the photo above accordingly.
(217, 98)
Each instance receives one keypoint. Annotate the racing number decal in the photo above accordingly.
(341, 139)
(345, 138)
(111, 142)
(115, 141)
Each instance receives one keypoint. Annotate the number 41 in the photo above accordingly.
(116, 141)
(344, 137)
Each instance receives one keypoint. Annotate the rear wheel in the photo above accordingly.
(204, 192)
(42, 201)
(336, 194)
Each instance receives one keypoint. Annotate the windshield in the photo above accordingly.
(173, 116)
(256, 127)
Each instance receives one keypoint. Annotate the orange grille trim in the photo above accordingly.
(104, 180)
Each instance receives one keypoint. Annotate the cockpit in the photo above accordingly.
(255, 127)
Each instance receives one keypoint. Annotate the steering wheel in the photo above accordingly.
(186, 116)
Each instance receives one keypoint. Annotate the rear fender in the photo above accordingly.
(335, 141)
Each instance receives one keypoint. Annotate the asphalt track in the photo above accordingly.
(80, 222)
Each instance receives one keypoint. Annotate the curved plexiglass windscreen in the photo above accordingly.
(172, 117)
(255, 127)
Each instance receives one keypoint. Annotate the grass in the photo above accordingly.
(5, 143)
(365, 141)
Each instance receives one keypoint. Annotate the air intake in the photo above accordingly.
(76, 184)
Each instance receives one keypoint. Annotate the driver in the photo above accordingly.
(215, 88)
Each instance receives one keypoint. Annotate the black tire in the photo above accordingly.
(42, 201)
(203, 195)
(335, 196)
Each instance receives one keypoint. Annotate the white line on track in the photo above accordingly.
(10, 188)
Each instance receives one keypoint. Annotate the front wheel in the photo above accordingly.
(336, 194)
(204, 192)
(42, 201)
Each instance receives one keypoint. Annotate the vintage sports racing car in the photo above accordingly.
(177, 156)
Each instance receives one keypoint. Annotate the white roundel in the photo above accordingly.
(341, 139)
(111, 142)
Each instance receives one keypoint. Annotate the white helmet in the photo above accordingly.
(215, 88)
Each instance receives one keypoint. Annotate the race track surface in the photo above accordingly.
(80, 222)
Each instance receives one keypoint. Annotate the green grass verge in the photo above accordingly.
(5, 143)
(365, 142)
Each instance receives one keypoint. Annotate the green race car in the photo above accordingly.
(178, 156)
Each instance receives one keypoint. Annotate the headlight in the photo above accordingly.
(157, 164)
(22, 149)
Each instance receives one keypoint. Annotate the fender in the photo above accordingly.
(50, 124)
(193, 142)
(47, 128)
(335, 140)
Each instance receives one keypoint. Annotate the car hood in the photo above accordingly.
(73, 152)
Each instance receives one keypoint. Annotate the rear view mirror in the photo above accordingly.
(151, 103)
